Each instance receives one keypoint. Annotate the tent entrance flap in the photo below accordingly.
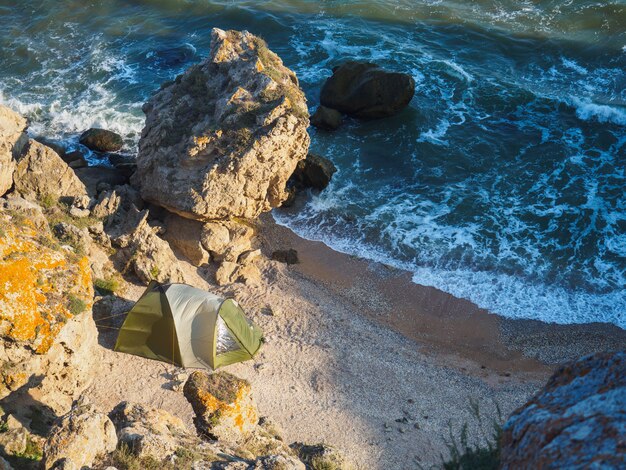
(246, 333)
(225, 342)
(188, 327)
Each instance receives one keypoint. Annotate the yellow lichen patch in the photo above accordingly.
(34, 282)
(242, 410)
(84, 282)
(224, 402)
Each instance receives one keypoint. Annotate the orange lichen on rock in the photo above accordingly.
(35, 282)
(223, 404)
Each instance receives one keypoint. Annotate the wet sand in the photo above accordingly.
(443, 326)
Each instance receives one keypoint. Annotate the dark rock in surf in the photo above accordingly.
(366, 91)
(101, 140)
(313, 172)
(326, 118)
(75, 159)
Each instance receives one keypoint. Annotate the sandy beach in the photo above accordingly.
(359, 357)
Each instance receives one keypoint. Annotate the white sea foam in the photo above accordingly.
(587, 110)
(506, 295)
(573, 65)
(509, 296)
(97, 108)
(435, 136)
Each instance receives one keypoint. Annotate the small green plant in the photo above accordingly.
(186, 457)
(48, 201)
(124, 458)
(321, 463)
(32, 451)
(154, 272)
(319, 457)
(60, 213)
(465, 456)
(18, 219)
(4, 427)
(108, 286)
(76, 306)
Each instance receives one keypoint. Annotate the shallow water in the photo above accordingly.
(503, 182)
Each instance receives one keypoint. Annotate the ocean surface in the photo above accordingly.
(504, 182)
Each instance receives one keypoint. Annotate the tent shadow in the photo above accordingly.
(109, 313)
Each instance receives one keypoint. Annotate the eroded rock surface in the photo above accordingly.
(47, 334)
(13, 138)
(145, 252)
(578, 420)
(153, 432)
(41, 173)
(222, 140)
(223, 405)
(80, 436)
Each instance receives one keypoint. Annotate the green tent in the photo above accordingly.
(188, 327)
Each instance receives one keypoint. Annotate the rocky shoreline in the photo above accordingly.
(223, 143)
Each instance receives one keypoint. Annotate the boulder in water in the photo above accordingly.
(222, 140)
(366, 91)
(326, 118)
(313, 172)
(101, 140)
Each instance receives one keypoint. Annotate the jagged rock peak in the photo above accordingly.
(222, 139)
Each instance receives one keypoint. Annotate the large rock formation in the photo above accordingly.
(13, 138)
(145, 252)
(151, 432)
(578, 420)
(79, 438)
(222, 140)
(47, 335)
(366, 91)
(41, 173)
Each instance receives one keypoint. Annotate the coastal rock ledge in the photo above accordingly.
(222, 139)
(578, 420)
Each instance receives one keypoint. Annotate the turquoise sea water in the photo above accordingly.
(504, 182)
